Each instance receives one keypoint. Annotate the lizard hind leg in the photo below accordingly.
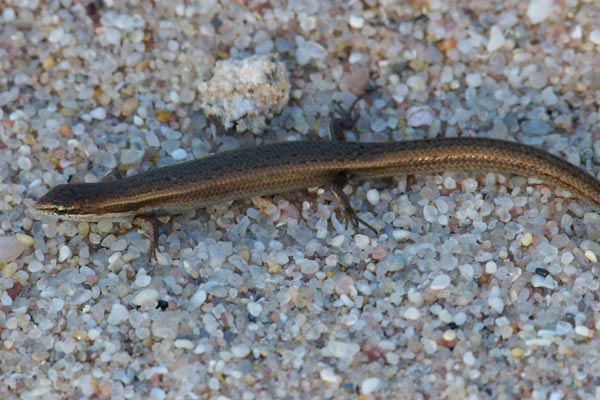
(343, 122)
(150, 226)
(349, 214)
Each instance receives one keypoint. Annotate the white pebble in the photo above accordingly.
(442, 206)
(174, 96)
(64, 253)
(373, 197)
(395, 263)
(416, 83)
(255, 308)
(440, 282)
(460, 318)
(337, 241)
(496, 303)
(179, 154)
(447, 74)
(24, 163)
(595, 36)
(496, 40)
(392, 358)
(361, 241)
(356, 21)
(94, 333)
(563, 327)
(356, 57)
(240, 350)
(370, 385)
(542, 342)
(130, 156)
(113, 36)
(420, 116)
(10, 249)
(415, 297)
(583, 330)
(469, 359)
(184, 344)
(138, 121)
(429, 346)
(142, 280)
(539, 10)
(119, 245)
(526, 239)
(307, 51)
(328, 375)
(400, 92)
(157, 394)
(201, 349)
(56, 35)
(449, 183)
(401, 234)
(449, 335)
(445, 316)
(469, 185)
(165, 325)
(218, 254)
(213, 384)
(491, 268)
(412, 313)
(104, 226)
(308, 267)
(6, 301)
(473, 79)
(198, 299)
(146, 298)
(98, 113)
(338, 349)
(187, 96)
(539, 281)
(567, 258)
(549, 98)
(56, 305)
(8, 15)
(504, 202)
(430, 213)
(577, 32)
(35, 266)
(118, 313)
(590, 256)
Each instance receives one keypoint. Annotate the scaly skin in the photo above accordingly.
(290, 166)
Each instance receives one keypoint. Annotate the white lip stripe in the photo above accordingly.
(115, 217)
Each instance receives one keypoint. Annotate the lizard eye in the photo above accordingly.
(61, 210)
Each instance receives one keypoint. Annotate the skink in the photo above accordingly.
(290, 166)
